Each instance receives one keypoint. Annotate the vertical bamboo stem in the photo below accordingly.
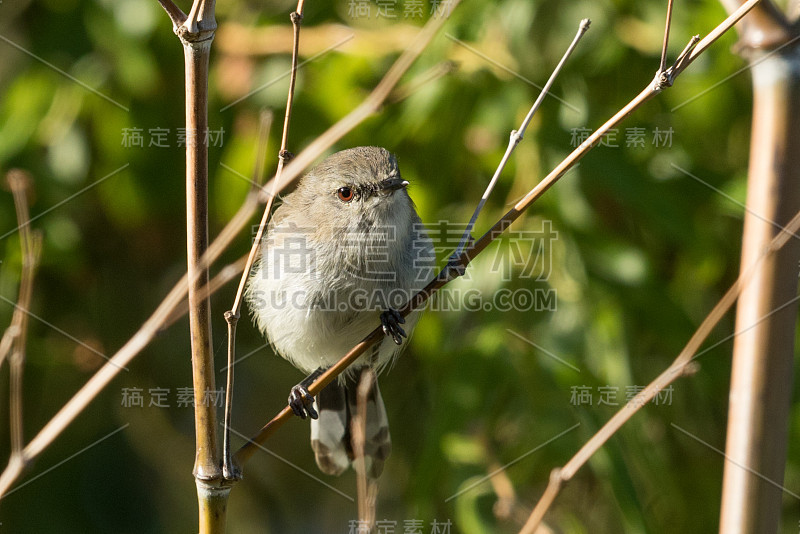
(763, 352)
(196, 56)
(196, 32)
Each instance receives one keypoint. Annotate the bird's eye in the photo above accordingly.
(345, 194)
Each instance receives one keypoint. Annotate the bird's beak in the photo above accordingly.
(393, 184)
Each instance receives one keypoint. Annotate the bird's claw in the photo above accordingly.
(455, 268)
(301, 402)
(391, 320)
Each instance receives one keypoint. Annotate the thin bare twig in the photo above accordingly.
(453, 268)
(681, 366)
(230, 471)
(17, 332)
(283, 157)
(715, 34)
(663, 64)
(516, 137)
(366, 487)
(175, 14)
(296, 18)
(507, 506)
(19, 183)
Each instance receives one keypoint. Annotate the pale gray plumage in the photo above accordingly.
(344, 247)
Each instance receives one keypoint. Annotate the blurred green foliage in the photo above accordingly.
(642, 253)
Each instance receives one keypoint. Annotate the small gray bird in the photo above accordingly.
(341, 254)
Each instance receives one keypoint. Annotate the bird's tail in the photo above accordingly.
(331, 434)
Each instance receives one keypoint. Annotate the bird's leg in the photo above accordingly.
(455, 267)
(300, 400)
(391, 320)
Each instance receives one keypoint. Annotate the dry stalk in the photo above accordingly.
(367, 487)
(15, 337)
(197, 50)
(663, 64)
(196, 32)
(760, 396)
(230, 471)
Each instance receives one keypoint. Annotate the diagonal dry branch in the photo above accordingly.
(662, 80)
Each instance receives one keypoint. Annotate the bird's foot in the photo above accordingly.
(455, 268)
(300, 399)
(391, 320)
(301, 402)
